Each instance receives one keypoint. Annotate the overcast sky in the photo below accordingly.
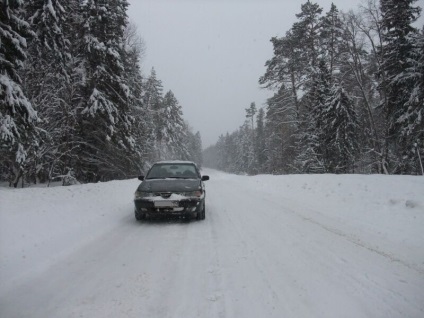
(211, 53)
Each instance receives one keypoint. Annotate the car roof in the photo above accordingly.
(175, 162)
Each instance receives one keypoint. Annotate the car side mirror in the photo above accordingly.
(141, 178)
(205, 178)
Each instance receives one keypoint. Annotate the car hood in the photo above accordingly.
(169, 185)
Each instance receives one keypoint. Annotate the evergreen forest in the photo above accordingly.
(74, 104)
(348, 97)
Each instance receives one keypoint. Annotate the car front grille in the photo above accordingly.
(164, 195)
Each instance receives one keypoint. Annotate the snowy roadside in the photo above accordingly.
(39, 225)
(381, 213)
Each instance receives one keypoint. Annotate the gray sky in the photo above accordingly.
(211, 53)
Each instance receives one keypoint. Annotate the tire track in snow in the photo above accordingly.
(362, 244)
(243, 257)
(216, 271)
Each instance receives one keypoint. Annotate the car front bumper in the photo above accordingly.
(163, 208)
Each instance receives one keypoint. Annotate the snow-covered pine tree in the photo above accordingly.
(331, 34)
(307, 31)
(227, 153)
(360, 69)
(196, 149)
(293, 68)
(152, 104)
(194, 146)
(17, 116)
(48, 75)
(340, 131)
(134, 50)
(411, 122)
(47, 18)
(250, 114)
(210, 156)
(105, 121)
(260, 142)
(281, 125)
(242, 157)
(285, 68)
(311, 145)
(174, 131)
(274, 138)
(397, 48)
(218, 153)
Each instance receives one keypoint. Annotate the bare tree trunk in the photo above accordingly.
(18, 176)
(420, 161)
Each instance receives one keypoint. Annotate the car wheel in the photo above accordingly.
(201, 215)
(139, 216)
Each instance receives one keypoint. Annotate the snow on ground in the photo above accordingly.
(271, 246)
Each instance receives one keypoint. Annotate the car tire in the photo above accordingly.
(202, 214)
(139, 216)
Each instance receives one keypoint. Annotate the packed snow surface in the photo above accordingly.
(271, 246)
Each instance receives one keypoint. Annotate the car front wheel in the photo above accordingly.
(202, 214)
(139, 216)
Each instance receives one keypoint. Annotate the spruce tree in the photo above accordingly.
(152, 104)
(134, 50)
(260, 142)
(105, 121)
(311, 144)
(280, 129)
(340, 131)
(174, 131)
(397, 48)
(17, 116)
(47, 18)
(411, 122)
(196, 152)
(331, 35)
(48, 75)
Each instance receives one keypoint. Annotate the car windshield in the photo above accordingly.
(183, 171)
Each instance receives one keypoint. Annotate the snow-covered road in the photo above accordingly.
(271, 246)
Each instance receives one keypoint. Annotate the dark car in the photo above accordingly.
(171, 188)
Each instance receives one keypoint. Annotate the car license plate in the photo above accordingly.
(166, 204)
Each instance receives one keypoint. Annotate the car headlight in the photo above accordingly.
(197, 193)
(141, 194)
